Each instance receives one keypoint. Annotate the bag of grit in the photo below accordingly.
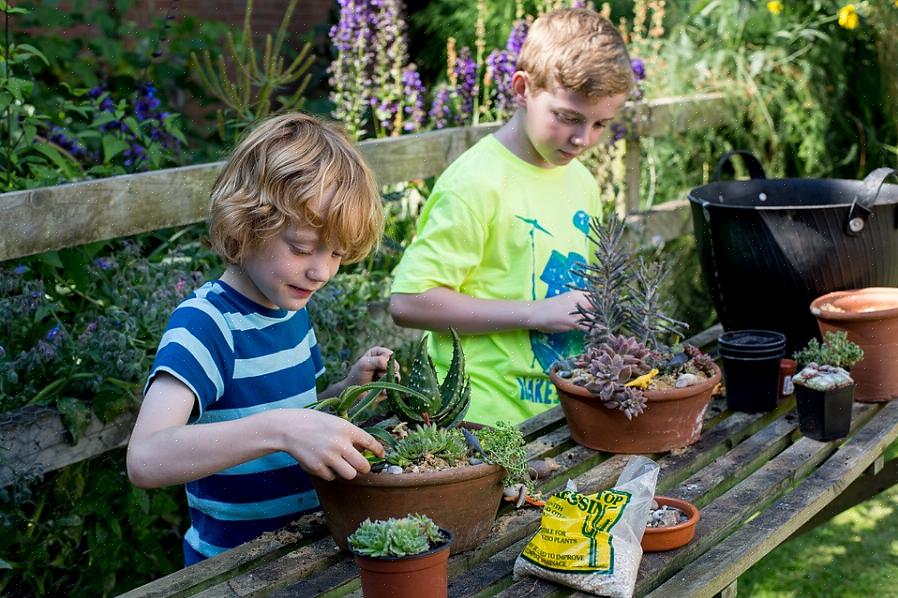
(592, 542)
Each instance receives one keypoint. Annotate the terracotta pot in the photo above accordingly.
(787, 370)
(463, 500)
(658, 539)
(425, 574)
(672, 418)
(870, 317)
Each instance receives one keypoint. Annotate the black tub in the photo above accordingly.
(768, 247)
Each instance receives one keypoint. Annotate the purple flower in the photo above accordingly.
(638, 68)
(440, 110)
(54, 332)
(104, 263)
(516, 38)
(413, 93)
(20, 269)
(465, 70)
(501, 66)
(618, 132)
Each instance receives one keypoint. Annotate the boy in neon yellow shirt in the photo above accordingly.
(507, 219)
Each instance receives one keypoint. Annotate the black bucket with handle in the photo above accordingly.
(768, 247)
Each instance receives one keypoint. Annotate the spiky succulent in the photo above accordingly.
(423, 400)
(407, 536)
(424, 441)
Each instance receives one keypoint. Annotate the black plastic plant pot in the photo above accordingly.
(751, 368)
(824, 414)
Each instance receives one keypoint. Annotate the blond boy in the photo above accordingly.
(505, 222)
(223, 409)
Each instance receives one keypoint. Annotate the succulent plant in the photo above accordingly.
(447, 444)
(626, 325)
(836, 350)
(822, 377)
(407, 536)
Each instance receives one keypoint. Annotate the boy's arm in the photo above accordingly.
(164, 450)
(441, 308)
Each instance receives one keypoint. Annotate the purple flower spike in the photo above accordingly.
(638, 68)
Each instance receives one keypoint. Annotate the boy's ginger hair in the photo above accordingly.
(579, 50)
(278, 174)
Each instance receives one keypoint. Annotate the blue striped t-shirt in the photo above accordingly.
(241, 358)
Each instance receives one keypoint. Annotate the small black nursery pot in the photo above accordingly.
(751, 368)
(824, 414)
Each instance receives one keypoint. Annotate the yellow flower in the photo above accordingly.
(848, 18)
(777, 7)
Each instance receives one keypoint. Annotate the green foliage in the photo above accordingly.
(429, 441)
(408, 536)
(249, 95)
(86, 531)
(835, 350)
(503, 445)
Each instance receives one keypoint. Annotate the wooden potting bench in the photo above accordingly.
(756, 480)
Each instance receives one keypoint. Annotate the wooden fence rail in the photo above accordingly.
(33, 440)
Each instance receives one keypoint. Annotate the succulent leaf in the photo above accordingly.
(450, 389)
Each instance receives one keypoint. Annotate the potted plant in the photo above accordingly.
(402, 558)
(870, 319)
(629, 392)
(824, 390)
(433, 465)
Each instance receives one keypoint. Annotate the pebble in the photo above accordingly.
(394, 469)
(687, 379)
(475, 461)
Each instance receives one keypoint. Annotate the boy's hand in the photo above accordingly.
(559, 313)
(370, 366)
(325, 445)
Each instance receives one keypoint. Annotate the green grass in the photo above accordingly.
(854, 554)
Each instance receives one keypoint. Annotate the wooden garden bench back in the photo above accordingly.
(34, 441)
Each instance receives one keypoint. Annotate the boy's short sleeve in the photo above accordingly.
(449, 245)
(197, 348)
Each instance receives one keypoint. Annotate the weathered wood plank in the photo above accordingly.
(33, 441)
(747, 545)
(665, 221)
(48, 218)
(255, 553)
(731, 509)
(862, 489)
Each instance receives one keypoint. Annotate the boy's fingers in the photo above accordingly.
(364, 440)
(356, 461)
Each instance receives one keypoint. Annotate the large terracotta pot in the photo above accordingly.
(672, 418)
(425, 574)
(870, 317)
(463, 500)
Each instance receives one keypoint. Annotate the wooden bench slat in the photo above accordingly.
(728, 559)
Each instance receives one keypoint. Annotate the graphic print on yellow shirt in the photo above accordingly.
(496, 227)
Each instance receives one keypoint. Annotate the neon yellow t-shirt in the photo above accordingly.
(497, 227)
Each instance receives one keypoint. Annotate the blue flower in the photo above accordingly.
(54, 332)
(20, 269)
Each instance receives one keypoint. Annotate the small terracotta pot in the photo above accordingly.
(672, 418)
(463, 500)
(425, 574)
(870, 317)
(787, 370)
(658, 539)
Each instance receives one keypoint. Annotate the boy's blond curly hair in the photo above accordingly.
(579, 50)
(278, 175)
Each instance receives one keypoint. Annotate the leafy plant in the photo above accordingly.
(249, 95)
(835, 350)
(408, 536)
(503, 444)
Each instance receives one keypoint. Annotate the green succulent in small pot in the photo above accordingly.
(835, 350)
(402, 557)
(627, 368)
(824, 389)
